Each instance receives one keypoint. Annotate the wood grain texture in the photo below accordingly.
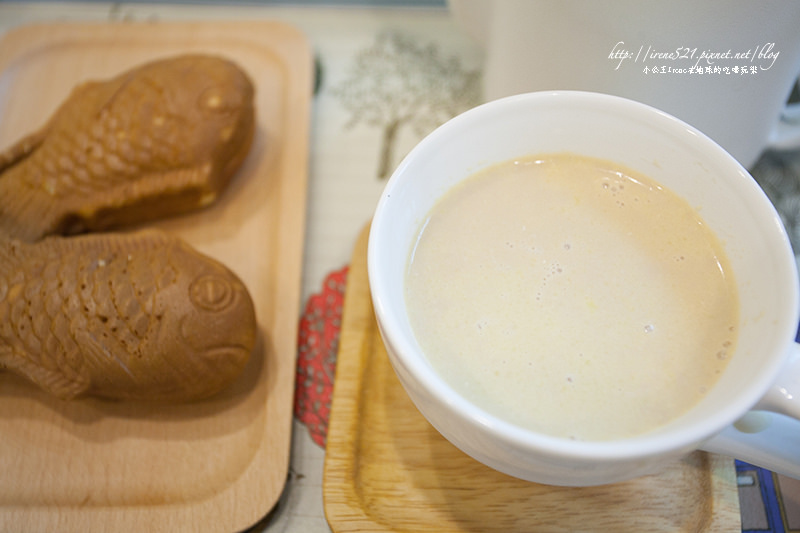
(215, 465)
(388, 469)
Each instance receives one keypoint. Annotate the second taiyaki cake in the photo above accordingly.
(160, 139)
(138, 316)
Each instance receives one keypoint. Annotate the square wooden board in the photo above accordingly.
(388, 469)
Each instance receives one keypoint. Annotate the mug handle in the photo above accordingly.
(768, 436)
(786, 135)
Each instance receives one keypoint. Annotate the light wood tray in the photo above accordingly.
(216, 465)
(388, 469)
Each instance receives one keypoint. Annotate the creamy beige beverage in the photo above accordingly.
(572, 296)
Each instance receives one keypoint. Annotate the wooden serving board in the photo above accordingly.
(388, 469)
(215, 465)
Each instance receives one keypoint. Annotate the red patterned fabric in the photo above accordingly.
(317, 346)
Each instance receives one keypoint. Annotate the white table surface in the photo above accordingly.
(343, 183)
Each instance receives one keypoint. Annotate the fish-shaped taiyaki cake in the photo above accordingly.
(157, 140)
(139, 316)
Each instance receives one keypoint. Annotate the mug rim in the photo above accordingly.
(648, 444)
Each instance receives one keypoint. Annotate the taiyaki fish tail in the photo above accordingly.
(139, 316)
(29, 216)
(21, 149)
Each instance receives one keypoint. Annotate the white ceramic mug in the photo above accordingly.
(613, 47)
(764, 372)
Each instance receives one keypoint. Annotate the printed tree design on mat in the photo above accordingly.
(398, 83)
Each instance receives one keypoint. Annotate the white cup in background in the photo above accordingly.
(534, 45)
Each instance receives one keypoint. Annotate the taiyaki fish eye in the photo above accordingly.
(214, 98)
(212, 293)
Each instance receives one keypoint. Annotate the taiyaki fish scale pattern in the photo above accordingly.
(139, 316)
(158, 140)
